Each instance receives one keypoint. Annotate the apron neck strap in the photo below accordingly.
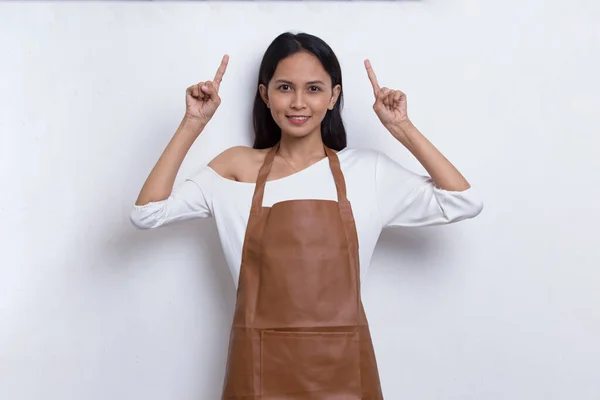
(265, 169)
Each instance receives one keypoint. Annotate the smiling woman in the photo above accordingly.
(296, 102)
(300, 77)
(299, 216)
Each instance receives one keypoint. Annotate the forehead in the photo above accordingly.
(301, 67)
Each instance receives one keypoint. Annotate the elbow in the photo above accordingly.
(461, 206)
(476, 207)
(138, 222)
(470, 210)
(147, 216)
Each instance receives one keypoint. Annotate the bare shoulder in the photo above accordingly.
(239, 163)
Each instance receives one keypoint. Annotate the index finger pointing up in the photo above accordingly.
(372, 77)
(221, 70)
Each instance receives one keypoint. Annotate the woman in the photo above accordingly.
(291, 213)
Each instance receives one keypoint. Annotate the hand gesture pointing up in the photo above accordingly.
(390, 105)
(202, 99)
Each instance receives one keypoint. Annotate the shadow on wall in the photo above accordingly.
(200, 236)
(431, 248)
(204, 290)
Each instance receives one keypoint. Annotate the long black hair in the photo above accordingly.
(267, 132)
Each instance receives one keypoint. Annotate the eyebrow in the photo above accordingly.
(290, 83)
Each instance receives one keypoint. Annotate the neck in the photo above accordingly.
(304, 149)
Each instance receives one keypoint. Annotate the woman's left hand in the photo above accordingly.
(390, 105)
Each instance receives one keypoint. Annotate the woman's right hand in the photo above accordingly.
(202, 99)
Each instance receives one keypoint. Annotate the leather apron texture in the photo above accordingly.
(299, 330)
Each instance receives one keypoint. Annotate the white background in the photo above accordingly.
(504, 306)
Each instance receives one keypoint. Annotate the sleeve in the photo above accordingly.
(190, 199)
(407, 199)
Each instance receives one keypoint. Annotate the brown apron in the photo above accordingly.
(299, 330)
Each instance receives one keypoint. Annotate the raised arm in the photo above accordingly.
(390, 107)
(202, 101)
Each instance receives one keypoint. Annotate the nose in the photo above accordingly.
(298, 100)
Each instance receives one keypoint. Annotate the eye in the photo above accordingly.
(314, 88)
(284, 87)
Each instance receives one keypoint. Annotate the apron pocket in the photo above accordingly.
(323, 364)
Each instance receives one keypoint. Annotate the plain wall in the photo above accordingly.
(504, 306)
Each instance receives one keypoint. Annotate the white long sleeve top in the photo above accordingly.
(382, 194)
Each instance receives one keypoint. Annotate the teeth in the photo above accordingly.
(300, 118)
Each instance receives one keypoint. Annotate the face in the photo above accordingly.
(299, 95)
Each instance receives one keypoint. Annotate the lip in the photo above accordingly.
(297, 122)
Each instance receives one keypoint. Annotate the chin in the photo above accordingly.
(298, 133)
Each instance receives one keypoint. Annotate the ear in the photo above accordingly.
(336, 94)
(263, 94)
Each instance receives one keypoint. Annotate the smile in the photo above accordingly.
(297, 120)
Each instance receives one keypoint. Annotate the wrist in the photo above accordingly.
(192, 125)
(403, 131)
(402, 127)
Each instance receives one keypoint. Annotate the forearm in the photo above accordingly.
(159, 184)
(443, 173)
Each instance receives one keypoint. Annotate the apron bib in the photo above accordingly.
(299, 330)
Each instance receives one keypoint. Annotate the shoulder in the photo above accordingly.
(375, 165)
(358, 157)
(235, 161)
